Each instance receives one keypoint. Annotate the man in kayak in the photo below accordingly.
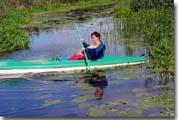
(94, 51)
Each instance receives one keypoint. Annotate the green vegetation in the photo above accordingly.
(152, 21)
(16, 13)
(166, 100)
(82, 99)
(12, 38)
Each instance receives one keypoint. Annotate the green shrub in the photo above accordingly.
(11, 36)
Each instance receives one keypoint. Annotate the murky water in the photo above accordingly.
(132, 91)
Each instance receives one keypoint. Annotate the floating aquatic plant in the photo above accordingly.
(139, 91)
(96, 111)
(83, 98)
(50, 102)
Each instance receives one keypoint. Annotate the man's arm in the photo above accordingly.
(85, 45)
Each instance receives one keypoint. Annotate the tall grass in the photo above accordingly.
(153, 21)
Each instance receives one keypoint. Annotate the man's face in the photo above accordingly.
(94, 38)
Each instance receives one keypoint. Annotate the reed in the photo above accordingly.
(153, 21)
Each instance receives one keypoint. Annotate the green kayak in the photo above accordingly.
(12, 66)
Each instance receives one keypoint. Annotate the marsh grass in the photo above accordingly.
(153, 22)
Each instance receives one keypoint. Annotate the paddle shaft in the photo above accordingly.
(86, 58)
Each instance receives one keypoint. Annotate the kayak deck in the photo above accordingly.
(11, 66)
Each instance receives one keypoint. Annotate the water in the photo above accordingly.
(112, 94)
(64, 42)
(132, 91)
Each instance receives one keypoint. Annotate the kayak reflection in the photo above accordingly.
(97, 80)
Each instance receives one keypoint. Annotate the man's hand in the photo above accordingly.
(81, 40)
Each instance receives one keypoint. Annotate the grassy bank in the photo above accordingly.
(152, 21)
(16, 13)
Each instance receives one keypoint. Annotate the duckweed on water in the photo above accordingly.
(96, 111)
(139, 92)
(165, 101)
(163, 105)
(129, 113)
(110, 107)
(50, 102)
(128, 72)
(115, 107)
(83, 98)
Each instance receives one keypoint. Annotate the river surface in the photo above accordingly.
(132, 91)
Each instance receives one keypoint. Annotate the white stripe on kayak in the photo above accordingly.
(20, 72)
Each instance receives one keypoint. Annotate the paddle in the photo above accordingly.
(86, 58)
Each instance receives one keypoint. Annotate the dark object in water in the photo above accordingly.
(99, 82)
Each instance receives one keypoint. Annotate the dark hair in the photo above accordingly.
(96, 34)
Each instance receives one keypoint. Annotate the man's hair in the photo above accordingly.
(96, 34)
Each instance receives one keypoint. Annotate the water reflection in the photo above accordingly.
(158, 80)
(149, 82)
(98, 81)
